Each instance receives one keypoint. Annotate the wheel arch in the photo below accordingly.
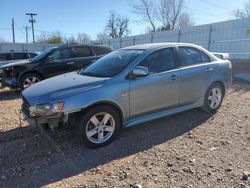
(110, 104)
(220, 83)
(30, 72)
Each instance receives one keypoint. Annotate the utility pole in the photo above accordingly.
(32, 21)
(27, 34)
(13, 30)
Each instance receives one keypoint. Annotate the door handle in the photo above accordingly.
(70, 63)
(209, 69)
(173, 77)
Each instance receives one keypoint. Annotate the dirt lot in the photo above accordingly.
(190, 149)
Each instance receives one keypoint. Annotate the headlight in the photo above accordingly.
(9, 69)
(46, 109)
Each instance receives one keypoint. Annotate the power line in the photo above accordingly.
(216, 5)
(213, 15)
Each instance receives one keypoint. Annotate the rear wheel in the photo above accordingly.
(99, 126)
(29, 79)
(214, 97)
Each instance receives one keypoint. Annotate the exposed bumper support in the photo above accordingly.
(52, 121)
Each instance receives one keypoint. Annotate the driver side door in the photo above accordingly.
(58, 62)
(160, 89)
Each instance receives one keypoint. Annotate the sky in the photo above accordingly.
(90, 16)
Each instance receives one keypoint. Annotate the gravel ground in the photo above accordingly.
(190, 149)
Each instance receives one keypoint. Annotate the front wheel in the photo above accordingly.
(99, 126)
(213, 98)
(29, 79)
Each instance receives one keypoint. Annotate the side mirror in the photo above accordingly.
(140, 71)
(50, 58)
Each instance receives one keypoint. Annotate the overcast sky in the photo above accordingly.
(90, 16)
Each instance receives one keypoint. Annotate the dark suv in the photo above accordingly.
(52, 62)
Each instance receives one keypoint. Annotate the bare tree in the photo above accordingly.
(83, 38)
(117, 25)
(242, 13)
(70, 40)
(102, 36)
(169, 12)
(184, 21)
(147, 10)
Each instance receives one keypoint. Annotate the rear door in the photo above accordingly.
(160, 89)
(195, 67)
(59, 61)
(83, 56)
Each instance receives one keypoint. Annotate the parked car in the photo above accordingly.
(9, 56)
(128, 87)
(52, 62)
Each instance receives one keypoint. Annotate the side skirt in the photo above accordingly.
(161, 114)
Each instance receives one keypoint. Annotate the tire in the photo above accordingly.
(28, 80)
(92, 132)
(213, 98)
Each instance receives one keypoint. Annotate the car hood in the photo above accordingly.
(58, 87)
(14, 63)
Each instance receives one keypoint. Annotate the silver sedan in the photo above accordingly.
(129, 86)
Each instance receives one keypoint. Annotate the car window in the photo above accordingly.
(31, 55)
(3, 56)
(204, 57)
(159, 61)
(83, 51)
(60, 54)
(192, 56)
(100, 50)
(111, 64)
(17, 56)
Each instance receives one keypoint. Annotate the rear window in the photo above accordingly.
(82, 51)
(101, 50)
(192, 56)
(17, 56)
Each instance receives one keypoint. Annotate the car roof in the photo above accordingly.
(157, 45)
(80, 45)
(19, 53)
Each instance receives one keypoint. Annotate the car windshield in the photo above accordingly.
(111, 64)
(42, 55)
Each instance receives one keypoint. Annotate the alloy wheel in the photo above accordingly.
(214, 98)
(100, 128)
(30, 81)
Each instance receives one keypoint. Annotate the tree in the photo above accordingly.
(70, 40)
(184, 21)
(83, 38)
(54, 38)
(102, 36)
(242, 13)
(169, 12)
(147, 10)
(117, 25)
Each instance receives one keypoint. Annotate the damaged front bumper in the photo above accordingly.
(52, 121)
(6, 80)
